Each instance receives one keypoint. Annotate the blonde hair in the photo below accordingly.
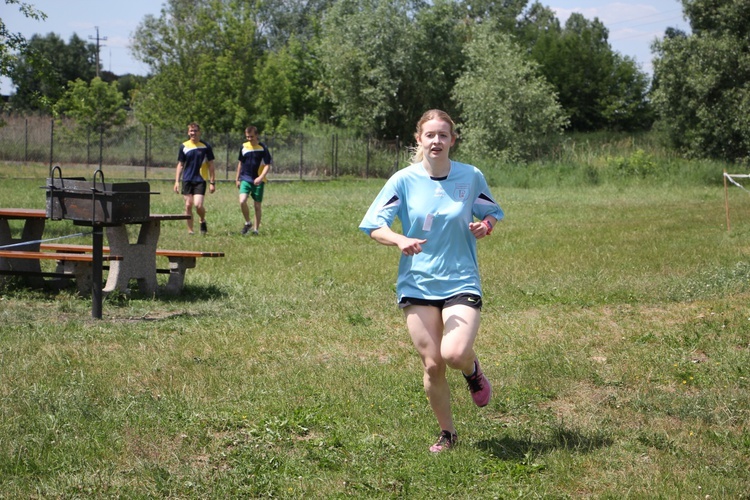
(417, 153)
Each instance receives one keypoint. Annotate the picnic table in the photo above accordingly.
(33, 228)
(127, 260)
(138, 258)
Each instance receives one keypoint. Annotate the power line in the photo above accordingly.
(631, 36)
(637, 35)
(647, 17)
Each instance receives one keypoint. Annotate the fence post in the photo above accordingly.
(226, 167)
(101, 144)
(367, 159)
(88, 146)
(333, 161)
(301, 153)
(398, 149)
(26, 141)
(51, 141)
(150, 143)
(145, 151)
(726, 200)
(337, 155)
(271, 145)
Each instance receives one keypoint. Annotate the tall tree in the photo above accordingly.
(503, 13)
(436, 61)
(598, 87)
(509, 112)
(276, 75)
(202, 56)
(365, 52)
(279, 21)
(12, 44)
(702, 81)
(62, 63)
(98, 106)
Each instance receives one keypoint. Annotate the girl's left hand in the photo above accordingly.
(478, 229)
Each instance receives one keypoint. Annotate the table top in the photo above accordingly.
(40, 213)
(169, 216)
(23, 213)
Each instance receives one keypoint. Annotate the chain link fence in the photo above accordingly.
(149, 152)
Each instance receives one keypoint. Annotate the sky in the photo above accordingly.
(633, 25)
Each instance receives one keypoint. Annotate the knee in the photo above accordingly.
(434, 369)
(455, 358)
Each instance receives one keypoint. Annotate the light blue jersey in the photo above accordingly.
(440, 212)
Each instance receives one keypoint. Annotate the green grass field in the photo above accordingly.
(616, 332)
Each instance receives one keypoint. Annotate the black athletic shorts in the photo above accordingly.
(466, 299)
(194, 188)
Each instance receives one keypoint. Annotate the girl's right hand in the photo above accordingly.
(411, 246)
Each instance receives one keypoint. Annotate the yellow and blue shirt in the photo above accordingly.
(194, 157)
(252, 158)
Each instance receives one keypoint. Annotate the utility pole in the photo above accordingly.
(98, 45)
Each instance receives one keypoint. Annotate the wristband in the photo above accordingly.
(212, 183)
(489, 226)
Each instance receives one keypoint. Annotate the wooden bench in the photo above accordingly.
(78, 265)
(179, 261)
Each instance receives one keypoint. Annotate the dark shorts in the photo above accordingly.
(256, 192)
(193, 188)
(465, 299)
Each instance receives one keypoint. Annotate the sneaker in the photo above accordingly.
(204, 227)
(479, 386)
(446, 441)
(246, 229)
(255, 232)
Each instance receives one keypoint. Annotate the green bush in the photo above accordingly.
(638, 164)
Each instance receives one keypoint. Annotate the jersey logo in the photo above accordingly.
(461, 191)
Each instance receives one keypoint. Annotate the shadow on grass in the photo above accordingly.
(508, 448)
(189, 294)
(20, 288)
